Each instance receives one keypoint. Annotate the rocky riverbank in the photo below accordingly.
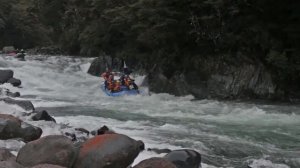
(29, 143)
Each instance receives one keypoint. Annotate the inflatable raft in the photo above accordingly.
(123, 92)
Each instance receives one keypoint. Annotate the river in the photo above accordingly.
(227, 134)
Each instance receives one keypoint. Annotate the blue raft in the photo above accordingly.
(124, 91)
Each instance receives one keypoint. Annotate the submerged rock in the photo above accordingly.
(184, 158)
(155, 163)
(53, 149)
(108, 151)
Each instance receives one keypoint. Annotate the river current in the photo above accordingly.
(227, 134)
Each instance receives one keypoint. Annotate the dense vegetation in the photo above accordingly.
(177, 34)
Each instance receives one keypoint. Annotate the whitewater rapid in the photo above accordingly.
(227, 134)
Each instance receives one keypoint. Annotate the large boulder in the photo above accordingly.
(15, 82)
(42, 115)
(5, 75)
(47, 166)
(53, 149)
(9, 129)
(29, 132)
(108, 151)
(26, 105)
(155, 163)
(184, 158)
(12, 127)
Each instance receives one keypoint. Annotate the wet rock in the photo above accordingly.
(141, 145)
(26, 105)
(10, 164)
(83, 131)
(6, 155)
(15, 82)
(42, 115)
(155, 163)
(5, 75)
(29, 132)
(108, 151)
(47, 166)
(11, 127)
(184, 158)
(102, 130)
(159, 151)
(53, 149)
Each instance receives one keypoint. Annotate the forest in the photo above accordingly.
(175, 35)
